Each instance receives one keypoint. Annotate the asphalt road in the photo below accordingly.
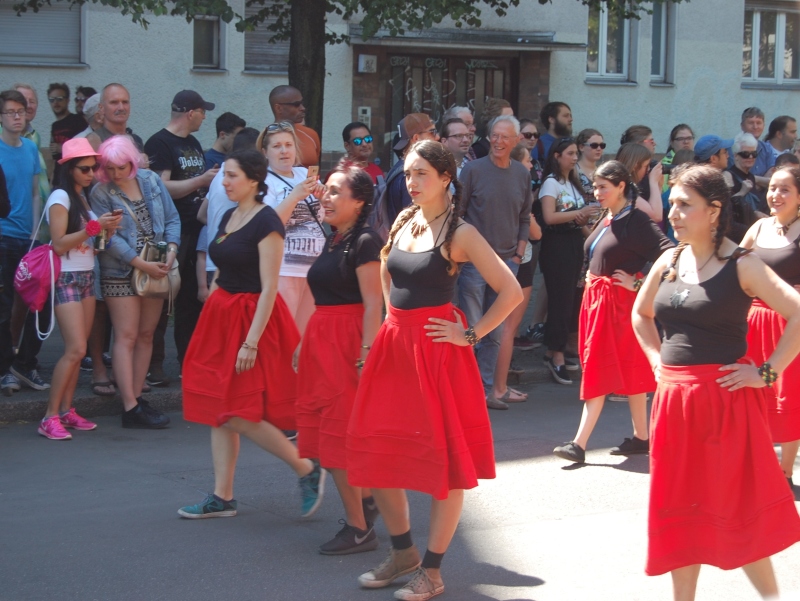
(95, 519)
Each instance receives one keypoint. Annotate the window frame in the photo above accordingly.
(57, 60)
(221, 43)
(628, 52)
(780, 43)
(260, 40)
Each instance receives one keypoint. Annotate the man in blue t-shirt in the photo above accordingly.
(19, 159)
(557, 120)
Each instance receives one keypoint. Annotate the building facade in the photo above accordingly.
(700, 62)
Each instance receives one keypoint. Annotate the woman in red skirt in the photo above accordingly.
(420, 420)
(623, 241)
(717, 494)
(346, 283)
(237, 374)
(776, 241)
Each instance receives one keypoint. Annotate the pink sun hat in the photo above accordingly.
(76, 148)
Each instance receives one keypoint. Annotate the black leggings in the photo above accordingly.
(561, 260)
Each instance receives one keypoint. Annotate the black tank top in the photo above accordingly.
(784, 261)
(420, 279)
(703, 323)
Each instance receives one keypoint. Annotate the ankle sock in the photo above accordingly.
(402, 541)
(432, 560)
(368, 502)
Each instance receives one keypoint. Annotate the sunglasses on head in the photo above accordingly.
(364, 140)
(746, 154)
(528, 135)
(85, 169)
(596, 145)
(282, 126)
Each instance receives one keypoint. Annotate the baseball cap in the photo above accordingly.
(411, 125)
(189, 100)
(91, 106)
(708, 146)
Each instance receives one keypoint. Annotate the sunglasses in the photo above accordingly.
(683, 139)
(53, 99)
(282, 126)
(747, 154)
(530, 135)
(80, 99)
(596, 145)
(85, 169)
(360, 141)
(296, 104)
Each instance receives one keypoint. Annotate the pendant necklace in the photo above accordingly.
(678, 298)
(239, 226)
(784, 229)
(417, 229)
(341, 238)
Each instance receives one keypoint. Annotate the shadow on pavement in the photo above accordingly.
(638, 464)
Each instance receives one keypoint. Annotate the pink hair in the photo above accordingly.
(119, 150)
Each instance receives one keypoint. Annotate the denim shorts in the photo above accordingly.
(74, 286)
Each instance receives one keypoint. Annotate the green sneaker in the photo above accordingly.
(312, 488)
(211, 507)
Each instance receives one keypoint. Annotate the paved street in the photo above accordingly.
(95, 519)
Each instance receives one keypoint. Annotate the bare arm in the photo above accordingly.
(386, 283)
(643, 316)
(285, 207)
(553, 217)
(749, 239)
(64, 242)
(202, 213)
(535, 230)
(370, 286)
(270, 254)
(202, 279)
(179, 189)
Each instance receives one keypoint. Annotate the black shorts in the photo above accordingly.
(525, 275)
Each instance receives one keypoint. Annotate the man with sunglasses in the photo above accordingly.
(19, 159)
(358, 145)
(66, 126)
(287, 105)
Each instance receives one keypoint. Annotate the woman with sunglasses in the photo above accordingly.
(529, 137)
(295, 198)
(745, 151)
(135, 192)
(590, 152)
(73, 226)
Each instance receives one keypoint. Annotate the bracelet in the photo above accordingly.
(359, 363)
(249, 347)
(365, 347)
(93, 228)
(471, 336)
(172, 249)
(767, 374)
(637, 284)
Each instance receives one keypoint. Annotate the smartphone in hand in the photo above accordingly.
(313, 171)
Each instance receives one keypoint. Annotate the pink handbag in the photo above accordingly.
(35, 279)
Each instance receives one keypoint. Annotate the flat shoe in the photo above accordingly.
(492, 402)
(104, 389)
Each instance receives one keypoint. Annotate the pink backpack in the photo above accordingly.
(36, 277)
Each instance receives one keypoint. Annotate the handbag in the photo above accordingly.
(146, 286)
(35, 279)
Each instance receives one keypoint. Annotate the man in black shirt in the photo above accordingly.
(177, 156)
(66, 126)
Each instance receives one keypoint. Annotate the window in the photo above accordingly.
(662, 57)
(260, 56)
(771, 46)
(208, 43)
(607, 54)
(51, 36)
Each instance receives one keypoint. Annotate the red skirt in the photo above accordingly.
(783, 399)
(420, 420)
(212, 390)
(328, 381)
(611, 358)
(717, 493)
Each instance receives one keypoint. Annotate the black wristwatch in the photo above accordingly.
(519, 256)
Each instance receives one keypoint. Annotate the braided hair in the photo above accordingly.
(443, 162)
(616, 173)
(359, 182)
(708, 183)
(254, 166)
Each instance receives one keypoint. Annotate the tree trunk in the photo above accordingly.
(307, 57)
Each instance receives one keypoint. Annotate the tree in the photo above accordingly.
(303, 23)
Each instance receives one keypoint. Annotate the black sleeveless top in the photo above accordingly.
(703, 323)
(420, 279)
(783, 261)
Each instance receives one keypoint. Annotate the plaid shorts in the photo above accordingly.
(74, 286)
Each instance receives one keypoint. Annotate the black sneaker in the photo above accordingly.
(351, 540)
(535, 334)
(144, 416)
(569, 364)
(632, 446)
(86, 364)
(157, 377)
(571, 452)
(559, 372)
(371, 511)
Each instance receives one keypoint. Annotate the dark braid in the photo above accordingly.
(361, 188)
(671, 272)
(452, 226)
(401, 220)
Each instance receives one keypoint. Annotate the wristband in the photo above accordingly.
(471, 336)
(359, 363)
(93, 228)
(248, 347)
(767, 374)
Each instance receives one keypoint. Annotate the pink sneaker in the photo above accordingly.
(51, 428)
(73, 420)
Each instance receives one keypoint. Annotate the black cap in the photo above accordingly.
(189, 100)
